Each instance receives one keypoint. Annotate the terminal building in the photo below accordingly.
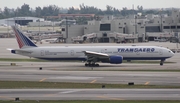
(23, 21)
(135, 28)
(5, 30)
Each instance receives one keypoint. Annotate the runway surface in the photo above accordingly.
(90, 94)
(115, 77)
(107, 73)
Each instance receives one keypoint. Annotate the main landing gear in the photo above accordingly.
(91, 65)
(162, 62)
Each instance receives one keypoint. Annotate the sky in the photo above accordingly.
(97, 3)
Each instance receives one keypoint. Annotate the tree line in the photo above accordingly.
(54, 10)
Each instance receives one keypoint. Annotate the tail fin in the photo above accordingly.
(22, 39)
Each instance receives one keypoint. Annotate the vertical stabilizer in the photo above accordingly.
(23, 40)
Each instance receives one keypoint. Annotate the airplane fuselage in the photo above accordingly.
(76, 52)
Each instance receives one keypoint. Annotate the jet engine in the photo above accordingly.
(116, 59)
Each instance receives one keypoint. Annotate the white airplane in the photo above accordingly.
(90, 54)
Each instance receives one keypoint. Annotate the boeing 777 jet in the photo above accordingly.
(90, 54)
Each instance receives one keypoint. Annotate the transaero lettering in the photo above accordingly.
(136, 49)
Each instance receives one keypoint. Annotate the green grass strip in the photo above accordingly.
(63, 85)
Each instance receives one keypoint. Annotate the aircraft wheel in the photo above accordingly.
(86, 65)
(93, 65)
(161, 64)
(97, 65)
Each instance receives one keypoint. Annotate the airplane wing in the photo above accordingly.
(95, 55)
(102, 57)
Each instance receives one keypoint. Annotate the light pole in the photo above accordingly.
(66, 29)
(39, 31)
(161, 22)
(145, 36)
(39, 26)
(135, 24)
(170, 27)
(8, 27)
(15, 18)
(177, 41)
(53, 24)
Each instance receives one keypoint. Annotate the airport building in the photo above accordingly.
(63, 16)
(135, 28)
(19, 21)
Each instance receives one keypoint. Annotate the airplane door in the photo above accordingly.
(72, 52)
(160, 52)
(42, 52)
(103, 50)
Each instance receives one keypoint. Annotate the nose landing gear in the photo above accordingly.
(162, 62)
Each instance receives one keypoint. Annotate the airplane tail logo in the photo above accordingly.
(23, 41)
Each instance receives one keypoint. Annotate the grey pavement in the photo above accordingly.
(90, 94)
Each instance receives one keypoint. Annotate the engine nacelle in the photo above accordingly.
(116, 59)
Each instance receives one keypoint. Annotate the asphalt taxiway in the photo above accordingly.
(90, 94)
(115, 77)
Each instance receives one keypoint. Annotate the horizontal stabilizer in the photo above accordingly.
(26, 51)
(14, 51)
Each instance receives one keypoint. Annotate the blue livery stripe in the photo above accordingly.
(124, 58)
